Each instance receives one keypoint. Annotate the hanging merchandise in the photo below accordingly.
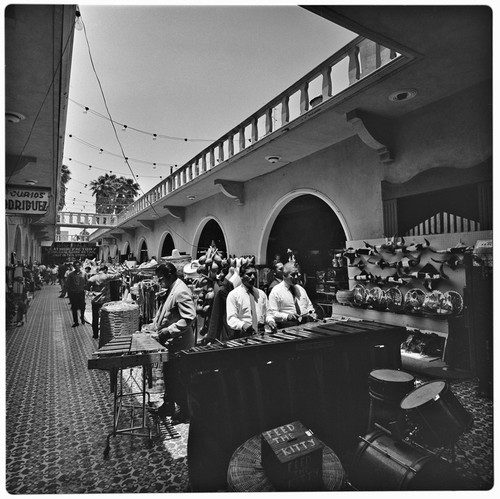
(203, 275)
(147, 299)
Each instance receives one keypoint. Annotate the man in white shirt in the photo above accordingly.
(246, 306)
(289, 304)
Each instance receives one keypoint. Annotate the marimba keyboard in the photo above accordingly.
(287, 342)
(138, 349)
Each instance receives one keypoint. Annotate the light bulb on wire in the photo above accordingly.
(78, 21)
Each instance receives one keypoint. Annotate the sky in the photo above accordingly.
(185, 73)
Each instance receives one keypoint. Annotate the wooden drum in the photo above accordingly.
(435, 409)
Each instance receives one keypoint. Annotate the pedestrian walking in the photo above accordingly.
(76, 283)
(61, 273)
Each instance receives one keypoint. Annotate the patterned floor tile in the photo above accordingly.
(59, 414)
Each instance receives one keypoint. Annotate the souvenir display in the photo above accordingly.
(414, 299)
(359, 295)
(375, 298)
(432, 302)
(394, 298)
(452, 302)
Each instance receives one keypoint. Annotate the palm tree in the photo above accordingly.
(113, 193)
(65, 178)
(104, 190)
(126, 193)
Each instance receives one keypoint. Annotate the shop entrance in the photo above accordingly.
(211, 232)
(17, 245)
(309, 227)
(143, 253)
(168, 246)
(126, 254)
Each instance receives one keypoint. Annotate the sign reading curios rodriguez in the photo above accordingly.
(26, 200)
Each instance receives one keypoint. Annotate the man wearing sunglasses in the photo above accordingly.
(289, 304)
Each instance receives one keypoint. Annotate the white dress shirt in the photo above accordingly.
(238, 307)
(282, 304)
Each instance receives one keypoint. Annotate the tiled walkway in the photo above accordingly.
(59, 414)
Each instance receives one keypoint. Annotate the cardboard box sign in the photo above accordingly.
(292, 458)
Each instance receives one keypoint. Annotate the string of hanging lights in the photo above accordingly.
(92, 167)
(103, 151)
(125, 127)
(79, 20)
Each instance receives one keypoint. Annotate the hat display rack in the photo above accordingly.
(407, 260)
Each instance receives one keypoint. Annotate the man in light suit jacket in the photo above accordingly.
(173, 324)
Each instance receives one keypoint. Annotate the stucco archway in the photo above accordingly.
(167, 245)
(282, 203)
(142, 251)
(18, 244)
(26, 250)
(124, 251)
(201, 236)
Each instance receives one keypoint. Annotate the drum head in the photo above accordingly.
(391, 376)
(423, 394)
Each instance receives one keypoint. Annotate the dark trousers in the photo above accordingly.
(62, 282)
(77, 301)
(175, 387)
(95, 318)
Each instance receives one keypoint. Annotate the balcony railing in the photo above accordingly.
(92, 220)
(72, 238)
(345, 68)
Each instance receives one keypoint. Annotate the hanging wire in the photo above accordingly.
(47, 93)
(86, 110)
(101, 151)
(116, 133)
(118, 173)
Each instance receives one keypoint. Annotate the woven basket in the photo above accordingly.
(117, 318)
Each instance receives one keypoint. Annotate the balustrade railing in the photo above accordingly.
(72, 238)
(345, 68)
(86, 219)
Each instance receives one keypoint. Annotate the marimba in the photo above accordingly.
(119, 354)
(316, 373)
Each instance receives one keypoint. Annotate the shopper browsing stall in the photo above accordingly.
(100, 283)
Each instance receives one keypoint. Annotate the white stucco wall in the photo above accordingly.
(347, 176)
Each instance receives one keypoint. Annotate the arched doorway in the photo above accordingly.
(18, 245)
(26, 251)
(143, 253)
(168, 246)
(125, 255)
(211, 232)
(309, 227)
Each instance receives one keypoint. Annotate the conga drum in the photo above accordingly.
(384, 463)
(437, 412)
(387, 387)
